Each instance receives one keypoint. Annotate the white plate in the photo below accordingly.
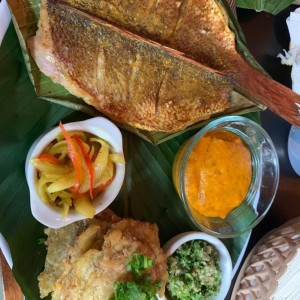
(4, 19)
(4, 22)
(294, 148)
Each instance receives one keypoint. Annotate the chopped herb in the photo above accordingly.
(139, 263)
(144, 290)
(141, 288)
(194, 272)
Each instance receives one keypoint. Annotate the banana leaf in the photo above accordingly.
(270, 6)
(147, 193)
(25, 16)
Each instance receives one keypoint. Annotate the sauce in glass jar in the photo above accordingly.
(218, 174)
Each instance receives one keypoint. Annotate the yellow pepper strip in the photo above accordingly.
(87, 162)
(84, 207)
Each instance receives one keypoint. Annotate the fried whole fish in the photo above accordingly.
(131, 79)
(199, 29)
(142, 62)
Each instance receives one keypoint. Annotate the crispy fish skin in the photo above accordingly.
(150, 18)
(130, 79)
(198, 28)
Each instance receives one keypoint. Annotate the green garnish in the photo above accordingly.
(41, 240)
(141, 288)
(139, 263)
(144, 290)
(194, 272)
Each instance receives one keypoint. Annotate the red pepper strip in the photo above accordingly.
(102, 187)
(87, 162)
(49, 158)
(74, 156)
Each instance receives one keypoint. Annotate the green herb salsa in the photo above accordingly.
(194, 272)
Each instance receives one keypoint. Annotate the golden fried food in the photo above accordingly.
(129, 78)
(155, 65)
(57, 254)
(98, 256)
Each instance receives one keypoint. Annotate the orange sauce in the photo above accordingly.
(218, 174)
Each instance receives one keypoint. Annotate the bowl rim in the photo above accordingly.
(255, 182)
(49, 215)
(224, 257)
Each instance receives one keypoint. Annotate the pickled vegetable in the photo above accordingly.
(73, 169)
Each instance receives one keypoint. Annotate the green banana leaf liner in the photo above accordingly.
(25, 17)
(271, 6)
(147, 193)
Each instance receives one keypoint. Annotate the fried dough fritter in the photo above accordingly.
(98, 257)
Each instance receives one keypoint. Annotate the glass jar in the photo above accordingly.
(264, 179)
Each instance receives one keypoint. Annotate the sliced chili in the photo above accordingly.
(87, 162)
(74, 156)
(49, 158)
(102, 187)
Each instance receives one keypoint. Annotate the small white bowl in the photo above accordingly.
(50, 215)
(224, 257)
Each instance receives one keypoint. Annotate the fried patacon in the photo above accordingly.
(91, 269)
(58, 244)
(68, 243)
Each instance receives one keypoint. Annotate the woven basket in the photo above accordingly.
(268, 264)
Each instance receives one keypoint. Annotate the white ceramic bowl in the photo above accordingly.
(224, 257)
(50, 215)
